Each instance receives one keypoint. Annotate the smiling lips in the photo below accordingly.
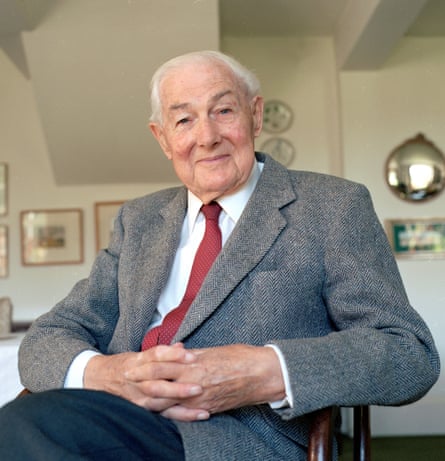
(213, 159)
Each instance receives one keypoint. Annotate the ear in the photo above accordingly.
(257, 114)
(159, 135)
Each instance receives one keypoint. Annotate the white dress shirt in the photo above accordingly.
(191, 235)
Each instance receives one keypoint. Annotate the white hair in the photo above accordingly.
(246, 78)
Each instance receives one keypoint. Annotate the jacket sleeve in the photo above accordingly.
(84, 320)
(380, 351)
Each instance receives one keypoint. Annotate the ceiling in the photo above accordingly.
(316, 17)
(89, 61)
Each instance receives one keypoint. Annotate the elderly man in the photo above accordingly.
(293, 303)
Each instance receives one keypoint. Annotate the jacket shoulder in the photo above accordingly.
(155, 199)
(315, 180)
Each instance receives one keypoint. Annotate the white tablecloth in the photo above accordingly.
(9, 376)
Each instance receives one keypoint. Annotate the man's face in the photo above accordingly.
(208, 128)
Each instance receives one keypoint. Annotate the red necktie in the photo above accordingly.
(207, 251)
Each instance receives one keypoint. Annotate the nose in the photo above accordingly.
(208, 133)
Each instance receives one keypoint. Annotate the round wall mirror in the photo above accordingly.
(415, 170)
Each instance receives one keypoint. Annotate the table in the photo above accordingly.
(9, 376)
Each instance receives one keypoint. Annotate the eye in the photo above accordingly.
(226, 110)
(182, 121)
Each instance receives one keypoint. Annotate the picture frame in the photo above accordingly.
(52, 237)
(417, 238)
(104, 215)
(3, 189)
(4, 251)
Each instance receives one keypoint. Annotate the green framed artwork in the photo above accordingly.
(419, 238)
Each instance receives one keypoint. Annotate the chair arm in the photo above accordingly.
(321, 434)
(24, 392)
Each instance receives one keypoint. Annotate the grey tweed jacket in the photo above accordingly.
(308, 268)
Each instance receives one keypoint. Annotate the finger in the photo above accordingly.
(146, 365)
(181, 413)
(169, 371)
(198, 351)
(161, 389)
(158, 396)
(162, 353)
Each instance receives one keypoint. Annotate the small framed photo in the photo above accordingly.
(52, 237)
(3, 189)
(3, 251)
(420, 238)
(104, 215)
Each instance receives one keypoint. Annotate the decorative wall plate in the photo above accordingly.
(280, 149)
(277, 116)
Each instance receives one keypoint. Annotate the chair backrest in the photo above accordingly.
(322, 434)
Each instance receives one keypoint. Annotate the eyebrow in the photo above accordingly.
(213, 99)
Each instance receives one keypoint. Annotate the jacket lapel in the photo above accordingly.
(159, 238)
(254, 235)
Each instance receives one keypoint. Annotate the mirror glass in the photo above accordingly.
(415, 170)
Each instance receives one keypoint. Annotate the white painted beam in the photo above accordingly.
(12, 18)
(368, 30)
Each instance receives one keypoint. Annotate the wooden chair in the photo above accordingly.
(322, 433)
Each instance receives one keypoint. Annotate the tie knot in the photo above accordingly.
(211, 211)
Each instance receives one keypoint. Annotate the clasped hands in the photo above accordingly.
(189, 385)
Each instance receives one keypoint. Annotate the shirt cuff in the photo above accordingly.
(288, 400)
(74, 375)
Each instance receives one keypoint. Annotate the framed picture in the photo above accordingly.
(417, 238)
(104, 214)
(52, 237)
(3, 251)
(3, 189)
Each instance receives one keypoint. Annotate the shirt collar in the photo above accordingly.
(233, 204)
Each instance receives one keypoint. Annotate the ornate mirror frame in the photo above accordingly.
(415, 170)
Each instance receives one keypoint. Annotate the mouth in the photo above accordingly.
(213, 159)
